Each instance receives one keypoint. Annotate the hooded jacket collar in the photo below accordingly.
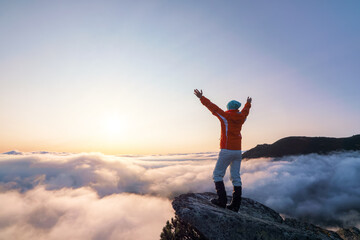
(232, 111)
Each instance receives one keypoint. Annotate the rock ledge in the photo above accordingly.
(253, 221)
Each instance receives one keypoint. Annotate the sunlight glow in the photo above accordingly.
(113, 125)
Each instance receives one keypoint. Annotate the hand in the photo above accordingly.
(198, 93)
(249, 99)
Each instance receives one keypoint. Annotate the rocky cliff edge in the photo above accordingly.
(253, 221)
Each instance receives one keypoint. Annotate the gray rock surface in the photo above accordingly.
(349, 233)
(253, 221)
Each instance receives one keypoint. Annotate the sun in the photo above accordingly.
(113, 125)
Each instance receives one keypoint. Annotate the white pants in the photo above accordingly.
(226, 158)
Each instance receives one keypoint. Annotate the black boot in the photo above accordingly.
(222, 199)
(236, 200)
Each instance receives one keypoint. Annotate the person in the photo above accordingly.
(230, 148)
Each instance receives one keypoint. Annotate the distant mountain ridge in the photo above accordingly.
(304, 145)
(13, 152)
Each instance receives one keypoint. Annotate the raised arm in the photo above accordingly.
(246, 109)
(207, 103)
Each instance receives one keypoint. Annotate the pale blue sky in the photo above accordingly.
(70, 70)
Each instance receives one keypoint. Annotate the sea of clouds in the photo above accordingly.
(95, 196)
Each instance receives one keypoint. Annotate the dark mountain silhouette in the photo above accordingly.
(303, 145)
(14, 152)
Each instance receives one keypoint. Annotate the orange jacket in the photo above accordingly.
(231, 123)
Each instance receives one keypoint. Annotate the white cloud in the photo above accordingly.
(80, 214)
(98, 196)
(156, 175)
(323, 189)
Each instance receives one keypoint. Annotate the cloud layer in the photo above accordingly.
(156, 175)
(81, 214)
(96, 196)
(324, 190)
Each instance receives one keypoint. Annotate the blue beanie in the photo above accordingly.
(233, 105)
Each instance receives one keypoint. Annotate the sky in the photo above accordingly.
(96, 196)
(117, 77)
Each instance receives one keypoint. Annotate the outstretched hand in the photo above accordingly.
(249, 99)
(198, 93)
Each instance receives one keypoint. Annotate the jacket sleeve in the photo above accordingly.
(212, 107)
(245, 111)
